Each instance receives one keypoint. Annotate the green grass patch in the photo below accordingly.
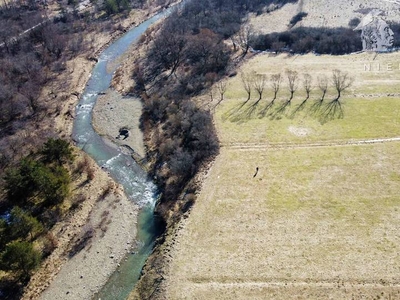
(355, 119)
(355, 184)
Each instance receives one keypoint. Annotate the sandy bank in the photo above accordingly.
(113, 221)
(113, 112)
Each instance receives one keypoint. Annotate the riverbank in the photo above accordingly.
(112, 220)
(152, 283)
(110, 223)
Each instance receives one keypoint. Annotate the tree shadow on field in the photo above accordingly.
(244, 114)
(320, 110)
(280, 111)
(266, 109)
(333, 110)
(315, 109)
(298, 109)
(234, 111)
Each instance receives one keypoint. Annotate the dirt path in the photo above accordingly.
(293, 283)
(258, 146)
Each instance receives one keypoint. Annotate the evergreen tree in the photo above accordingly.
(21, 258)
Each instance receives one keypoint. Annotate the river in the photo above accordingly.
(123, 169)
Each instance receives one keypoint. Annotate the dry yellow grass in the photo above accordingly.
(320, 220)
(310, 220)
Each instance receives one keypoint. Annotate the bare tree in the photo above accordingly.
(246, 81)
(307, 83)
(5, 4)
(292, 77)
(6, 39)
(211, 96)
(259, 82)
(323, 86)
(168, 50)
(276, 80)
(244, 38)
(341, 82)
(221, 88)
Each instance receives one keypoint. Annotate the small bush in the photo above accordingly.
(297, 18)
(90, 173)
(353, 23)
(84, 166)
(50, 243)
(77, 201)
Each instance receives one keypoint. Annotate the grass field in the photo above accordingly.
(366, 109)
(313, 217)
(320, 219)
(362, 119)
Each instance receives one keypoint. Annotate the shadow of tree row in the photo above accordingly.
(323, 111)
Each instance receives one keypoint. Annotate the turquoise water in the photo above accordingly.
(120, 166)
(122, 282)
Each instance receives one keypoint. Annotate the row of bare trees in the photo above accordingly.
(340, 82)
(292, 81)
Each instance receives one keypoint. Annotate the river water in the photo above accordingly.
(123, 169)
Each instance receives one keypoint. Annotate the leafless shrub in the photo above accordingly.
(276, 80)
(307, 84)
(221, 88)
(323, 86)
(59, 66)
(77, 201)
(341, 81)
(244, 38)
(50, 243)
(259, 81)
(246, 81)
(292, 77)
(85, 166)
(106, 191)
(80, 167)
(90, 171)
(76, 44)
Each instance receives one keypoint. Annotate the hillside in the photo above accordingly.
(329, 14)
